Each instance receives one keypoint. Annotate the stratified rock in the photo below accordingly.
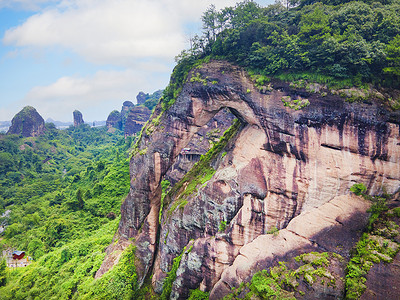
(27, 123)
(201, 142)
(135, 120)
(283, 163)
(78, 118)
(126, 106)
(114, 120)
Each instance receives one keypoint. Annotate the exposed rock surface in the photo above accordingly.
(135, 120)
(141, 98)
(78, 118)
(27, 123)
(126, 107)
(201, 142)
(114, 120)
(334, 227)
(283, 163)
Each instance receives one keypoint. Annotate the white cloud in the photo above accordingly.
(31, 5)
(95, 96)
(112, 31)
(142, 36)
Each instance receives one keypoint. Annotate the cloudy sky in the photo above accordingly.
(90, 55)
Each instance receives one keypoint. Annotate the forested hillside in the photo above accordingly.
(342, 42)
(64, 190)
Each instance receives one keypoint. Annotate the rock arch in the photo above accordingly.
(315, 156)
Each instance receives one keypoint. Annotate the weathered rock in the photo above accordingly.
(141, 98)
(78, 118)
(282, 164)
(126, 107)
(201, 142)
(114, 120)
(135, 120)
(27, 123)
(334, 227)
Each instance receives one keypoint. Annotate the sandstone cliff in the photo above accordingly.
(288, 165)
(114, 120)
(27, 123)
(78, 118)
(135, 120)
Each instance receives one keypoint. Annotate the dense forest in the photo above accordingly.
(63, 191)
(342, 42)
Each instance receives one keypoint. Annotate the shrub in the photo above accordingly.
(358, 189)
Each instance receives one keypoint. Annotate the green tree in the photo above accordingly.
(393, 57)
(79, 198)
(3, 272)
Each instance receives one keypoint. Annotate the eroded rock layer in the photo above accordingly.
(282, 164)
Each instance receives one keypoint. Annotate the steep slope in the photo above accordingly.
(293, 152)
(27, 123)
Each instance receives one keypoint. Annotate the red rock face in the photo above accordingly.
(135, 120)
(282, 164)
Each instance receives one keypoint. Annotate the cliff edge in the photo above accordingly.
(292, 153)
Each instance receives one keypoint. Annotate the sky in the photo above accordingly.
(90, 55)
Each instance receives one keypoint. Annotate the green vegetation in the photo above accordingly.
(64, 190)
(201, 172)
(296, 104)
(358, 189)
(171, 276)
(375, 246)
(165, 185)
(222, 226)
(338, 43)
(274, 230)
(198, 295)
(282, 282)
(3, 272)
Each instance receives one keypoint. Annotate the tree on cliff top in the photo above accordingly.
(354, 40)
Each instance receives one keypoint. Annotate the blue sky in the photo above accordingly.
(90, 55)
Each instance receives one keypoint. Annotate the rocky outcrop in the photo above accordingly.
(78, 118)
(200, 143)
(126, 107)
(27, 123)
(333, 227)
(114, 120)
(135, 120)
(141, 98)
(296, 155)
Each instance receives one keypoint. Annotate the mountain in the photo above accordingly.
(78, 118)
(287, 164)
(132, 117)
(27, 122)
(268, 169)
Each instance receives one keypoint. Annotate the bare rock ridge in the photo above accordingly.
(78, 118)
(132, 117)
(135, 119)
(114, 120)
(282, 165)
(27, 123)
